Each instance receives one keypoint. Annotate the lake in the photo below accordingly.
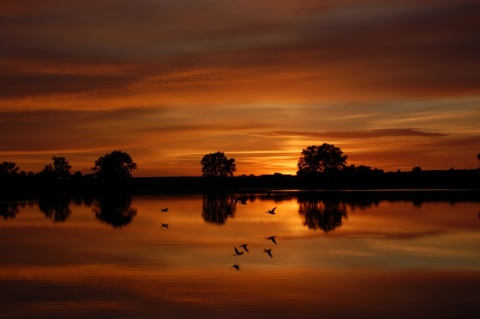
(121, 257)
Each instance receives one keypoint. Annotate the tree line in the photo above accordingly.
(325, 167)
(111, 171)
(319, 166)
(117, 166)
(315, 159)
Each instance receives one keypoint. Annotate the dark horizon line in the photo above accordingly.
(295, 175)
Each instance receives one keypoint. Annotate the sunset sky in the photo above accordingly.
(395, 84)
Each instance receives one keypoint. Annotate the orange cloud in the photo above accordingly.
(169, 82)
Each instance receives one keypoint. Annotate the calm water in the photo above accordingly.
(332, 259)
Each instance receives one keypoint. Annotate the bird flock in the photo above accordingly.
(243, 247)
(268, 251)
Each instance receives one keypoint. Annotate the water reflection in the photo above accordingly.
(377, 260)
(9, 210)
(55, 208)
(114, 210)
(218, 207)
(321, 213)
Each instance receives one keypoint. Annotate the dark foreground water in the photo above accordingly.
(113, 258)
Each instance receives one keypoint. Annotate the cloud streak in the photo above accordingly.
(379, 133)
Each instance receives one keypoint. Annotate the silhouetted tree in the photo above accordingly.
(217, 207)
(47, 172)
(323, 158)
(61, 168)
(8, 169)
(114, 167)
(56, 174)
(217, 165)
(114, 210)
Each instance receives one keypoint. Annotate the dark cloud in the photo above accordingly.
(366, 47)
(355, 134)
(70, 130)
(86, 130)
(37, 84)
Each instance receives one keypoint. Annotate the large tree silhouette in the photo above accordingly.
(8, 169)
(323, 158)
(217, 165)
(116, 166)
(59, 170)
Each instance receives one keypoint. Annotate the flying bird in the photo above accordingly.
(237, 252)
(165, 225)
(164, 210)
(244, 246)
(272, 238)
(271, 211)
(236, 266)
(269, 252)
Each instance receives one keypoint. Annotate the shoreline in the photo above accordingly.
(419, 183)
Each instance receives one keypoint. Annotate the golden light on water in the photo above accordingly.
(388, 251)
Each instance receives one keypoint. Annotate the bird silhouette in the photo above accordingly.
(244, 246)
(272, 238)
(242, 201)
(268, 251)
(165, 225)
(237, 252)
(164, 210)
(271, 211)
(236, 266)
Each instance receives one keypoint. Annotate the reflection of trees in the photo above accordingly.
(114, 210)
(9, 210)
(322, 214)
(217, 207)
(55, 208)
(363, 204)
